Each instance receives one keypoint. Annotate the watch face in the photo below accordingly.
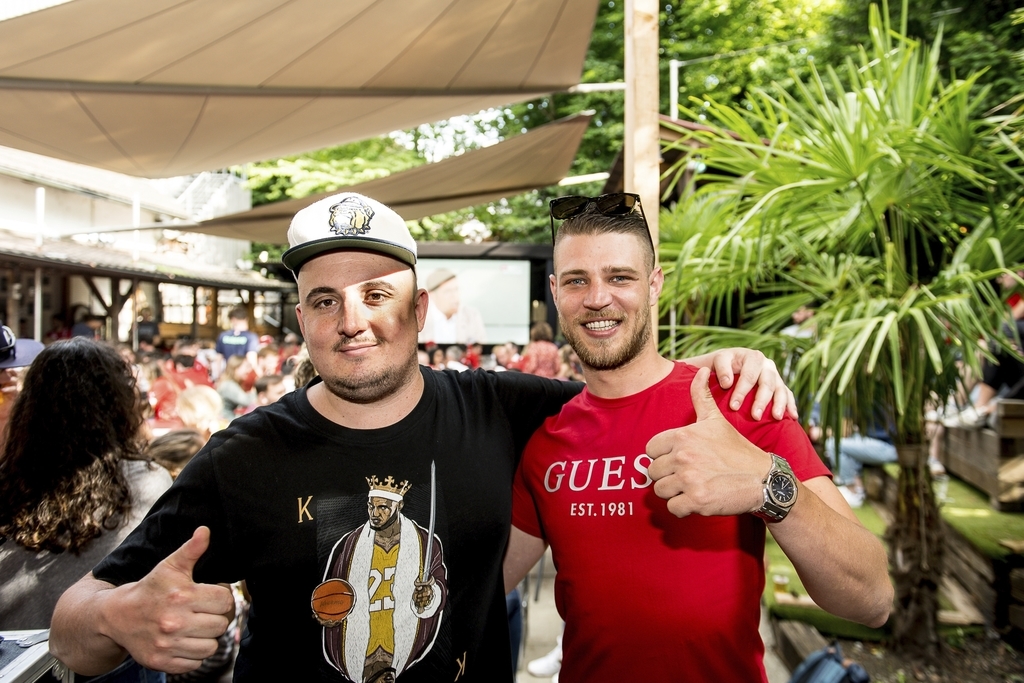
(782, 489)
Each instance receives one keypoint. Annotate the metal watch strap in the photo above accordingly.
(770, 511)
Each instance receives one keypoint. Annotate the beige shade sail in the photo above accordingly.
(169, 87)
(525, 162)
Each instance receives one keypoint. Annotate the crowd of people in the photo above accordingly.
(366, 501)
(541, 356)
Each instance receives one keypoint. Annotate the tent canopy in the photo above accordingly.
(535, 159)
(170, 87)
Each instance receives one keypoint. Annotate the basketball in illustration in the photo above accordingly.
(332, 600)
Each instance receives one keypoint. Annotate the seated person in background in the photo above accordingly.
(304, 370)
(229, 386)
(201, 408)
(1003, 378)
(570, 367)
(73, 479)
(269, 389)
(540, 357)
(268, 360)
(173, 450)
(290, 347)
(453, 356)
(507, 356)
(855, 451)
(177, 373)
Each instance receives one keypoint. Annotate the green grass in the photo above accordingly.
(966, 509)
(779, 564)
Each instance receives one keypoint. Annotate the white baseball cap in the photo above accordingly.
(347, 221)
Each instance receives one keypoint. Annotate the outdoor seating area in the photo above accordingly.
(982, 590)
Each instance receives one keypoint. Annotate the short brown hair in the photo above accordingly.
(593, 222)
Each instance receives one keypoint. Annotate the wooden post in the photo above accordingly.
(642, 157)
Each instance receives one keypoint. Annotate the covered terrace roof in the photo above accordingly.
(170, 87)
(524, 162)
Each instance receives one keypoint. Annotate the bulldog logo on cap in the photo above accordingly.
(350, 217)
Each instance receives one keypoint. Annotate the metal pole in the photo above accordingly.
(37, 304)
(673, 85)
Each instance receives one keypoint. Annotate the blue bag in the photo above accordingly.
(826, 666)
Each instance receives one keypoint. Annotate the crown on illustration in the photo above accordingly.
(388, 488)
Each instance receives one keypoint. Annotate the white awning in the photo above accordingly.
(525, 162)
(169, 87)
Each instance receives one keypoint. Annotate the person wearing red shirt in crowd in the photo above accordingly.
(290, 347)
(178, 373)
(540, 357)
(658, 590)
(472, 356)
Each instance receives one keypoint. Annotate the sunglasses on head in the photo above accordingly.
(614, 204)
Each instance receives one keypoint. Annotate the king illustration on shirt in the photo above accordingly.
(384, 590)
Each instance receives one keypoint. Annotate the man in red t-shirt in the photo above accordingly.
(654, 589)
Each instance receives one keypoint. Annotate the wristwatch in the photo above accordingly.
(779, 491)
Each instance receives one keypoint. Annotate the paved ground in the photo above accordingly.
(544, 626)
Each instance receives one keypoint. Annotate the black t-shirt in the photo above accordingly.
(282, 487)
(148, 330)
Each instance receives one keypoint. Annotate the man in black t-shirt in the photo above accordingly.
(270, 498)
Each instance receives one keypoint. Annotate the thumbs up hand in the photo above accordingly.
(166, 620)
(707, 468)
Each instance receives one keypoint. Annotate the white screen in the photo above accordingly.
(493, 301)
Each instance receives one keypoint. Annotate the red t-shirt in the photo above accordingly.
(646, 595)
(541, 358)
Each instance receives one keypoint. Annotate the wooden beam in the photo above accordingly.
(96, 292)
(641, 145)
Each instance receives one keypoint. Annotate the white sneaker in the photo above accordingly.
(855, 497)
(968, 418)
(548, 665)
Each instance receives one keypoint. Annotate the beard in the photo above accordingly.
(608, 354)
(368, 388)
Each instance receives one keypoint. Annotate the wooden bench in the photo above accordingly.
(1017, 605)
(795, 640)
(970, 575)
(991, 459)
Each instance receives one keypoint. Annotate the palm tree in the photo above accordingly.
(879, 196)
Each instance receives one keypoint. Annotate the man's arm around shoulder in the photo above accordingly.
(166, 621)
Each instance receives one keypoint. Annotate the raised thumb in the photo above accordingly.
(700, 394)
(184, 558)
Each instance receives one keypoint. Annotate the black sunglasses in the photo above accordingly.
(614, 204)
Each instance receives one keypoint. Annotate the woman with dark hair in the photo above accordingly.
(73, 481)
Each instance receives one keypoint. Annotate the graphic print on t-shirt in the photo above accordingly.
(385, 586)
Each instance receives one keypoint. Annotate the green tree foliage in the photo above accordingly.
(733, 47)
(882, 197)
(328, 169)
(772, 37)
(979, 37)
